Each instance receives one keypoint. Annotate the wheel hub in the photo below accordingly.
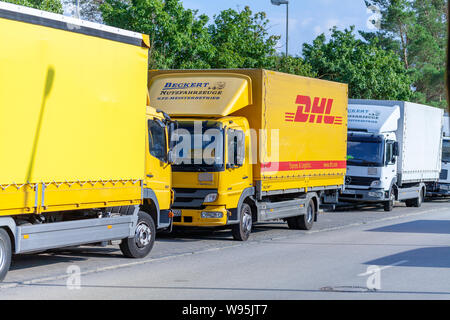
(247, 222)
(143, 235)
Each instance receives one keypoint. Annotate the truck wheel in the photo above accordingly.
(144, 238)
(417, 202)
(305, 221)
(389, 205)
(242, 230)
(5, 253)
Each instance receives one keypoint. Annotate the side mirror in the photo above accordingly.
(396, 151)
(170, 159)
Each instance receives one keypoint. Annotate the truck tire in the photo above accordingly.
(417, 202)
(5, 253)
(389, 205)
(142, 243)
(305, 221)
(242, 230)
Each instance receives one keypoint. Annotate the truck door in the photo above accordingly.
(390, 162)
(158, 169)
(238, 172)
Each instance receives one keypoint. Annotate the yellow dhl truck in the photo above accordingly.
(83, 158)
(252, 146)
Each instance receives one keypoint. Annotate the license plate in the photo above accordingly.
(176, 213)
(349, 192)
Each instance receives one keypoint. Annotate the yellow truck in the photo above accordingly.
(252, 146)
(83, 157)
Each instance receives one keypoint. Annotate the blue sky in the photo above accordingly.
(307, 18)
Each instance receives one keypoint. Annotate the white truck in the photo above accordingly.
(442, 187)
(394, 152)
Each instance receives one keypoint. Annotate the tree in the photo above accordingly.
(241, 40)
(371, 72)
(292, 65)
(54, 6)
(179, 37)
(417, 31)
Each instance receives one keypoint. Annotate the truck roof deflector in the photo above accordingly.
(203, 95)
(373, 118)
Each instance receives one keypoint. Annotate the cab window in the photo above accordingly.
(157, 139)
(236, 148)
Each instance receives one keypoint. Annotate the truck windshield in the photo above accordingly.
(197, 146)
(446, 151)
(365, 153)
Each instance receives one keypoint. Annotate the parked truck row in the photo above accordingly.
(100, 149)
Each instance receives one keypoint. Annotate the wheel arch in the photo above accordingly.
(246, 196)
(9, 225)
(151, 205)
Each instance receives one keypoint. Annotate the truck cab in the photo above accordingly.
(371, 166)
(157, 184)
(211, 178)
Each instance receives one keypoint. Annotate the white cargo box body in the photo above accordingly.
(418, 133)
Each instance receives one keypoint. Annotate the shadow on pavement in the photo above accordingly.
(195, 234)
(418, 226)
(66, 255)
(434, 257)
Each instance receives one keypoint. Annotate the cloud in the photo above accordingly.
(327, 25)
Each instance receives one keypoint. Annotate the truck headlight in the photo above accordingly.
(375, 184)
(213, 215)
(376, 194)
(210, 198)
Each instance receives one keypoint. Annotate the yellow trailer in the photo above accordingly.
(283, 149)
(77, 137)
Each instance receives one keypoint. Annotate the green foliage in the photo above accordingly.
(371, 72)
(404, 60)
(54, 6)
(417, 31)
(292, 65)
(179, 37)
(241, 40)
(182, 39)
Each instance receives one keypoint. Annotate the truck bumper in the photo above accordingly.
(208, 217)
(363, 195)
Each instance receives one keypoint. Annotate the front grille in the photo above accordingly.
(191, 198)
(359, 181)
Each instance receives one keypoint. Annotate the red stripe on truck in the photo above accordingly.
(302, 165)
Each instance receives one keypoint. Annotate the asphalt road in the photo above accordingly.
(362, 253)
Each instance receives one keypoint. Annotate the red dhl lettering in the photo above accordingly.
(319, 111)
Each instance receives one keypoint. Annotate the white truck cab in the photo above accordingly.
(391, 154)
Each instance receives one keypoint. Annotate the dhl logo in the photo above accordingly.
(318, 112)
